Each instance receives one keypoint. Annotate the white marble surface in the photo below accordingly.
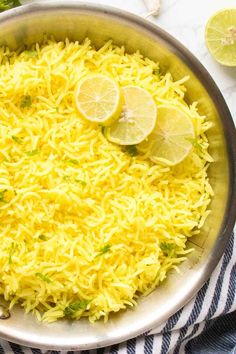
(186, 20)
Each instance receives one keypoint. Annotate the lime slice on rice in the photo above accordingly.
(170, 141)
(137, 119)
(98, 99)
(220, 36)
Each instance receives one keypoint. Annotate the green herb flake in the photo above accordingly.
(73, 161)
(32, 152)
(26, 101)
(8, 4)
(17, 139)
(12, 250)
(2, 196)
(31, 53)
(166, 248)
(194, 142)
(70, 310)
(156, 71)
(43, 277)
(131, 150)
(104, 250)
(66, 178)
(42, 237)
(81, 181)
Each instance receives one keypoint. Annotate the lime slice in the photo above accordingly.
(170, 141)
(137, 119)
(98, 99)
(220, 36)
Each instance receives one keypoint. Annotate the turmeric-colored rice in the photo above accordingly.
(85, 226)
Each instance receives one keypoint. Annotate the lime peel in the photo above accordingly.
(220, 36)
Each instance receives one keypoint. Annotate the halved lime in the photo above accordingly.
(170, 141)
(220, 36)
(98, 99)
(137, 120)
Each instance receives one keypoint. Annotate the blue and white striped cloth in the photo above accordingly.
(206, 325)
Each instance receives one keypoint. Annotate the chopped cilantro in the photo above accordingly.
(104, 250)
(81, 181)
(17, 139)
(12, 250)
(194, 142)
(78, 180)
(73, 161)
(26, 101)
(31, 53)
(156, 71)
(32, 152)
(166, 248)
(70, 310)
(2, 196)
(66, 178)
(131, 150)
(8, 4)
(43, 277)
(42, 237)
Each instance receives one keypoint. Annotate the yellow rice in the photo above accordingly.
(85, 228)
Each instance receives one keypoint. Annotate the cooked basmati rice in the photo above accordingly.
(85, 227)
